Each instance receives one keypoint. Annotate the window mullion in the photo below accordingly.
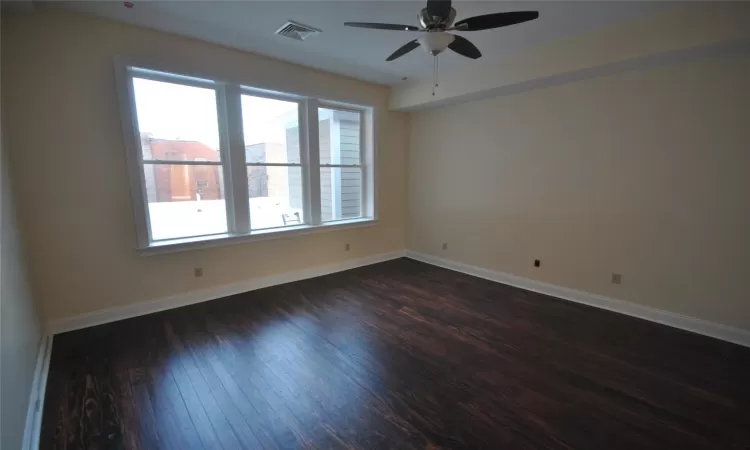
(310, 153)
(235, 172)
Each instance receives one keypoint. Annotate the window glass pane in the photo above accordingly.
(271, 129)
(275, 196)
(340, 193)
(176, 122)
(185, 200)
(339, 136)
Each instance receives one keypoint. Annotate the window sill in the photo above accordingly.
(216, 240)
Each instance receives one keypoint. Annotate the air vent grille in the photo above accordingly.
(297, 31)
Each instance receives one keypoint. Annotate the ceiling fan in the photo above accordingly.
(437, 18)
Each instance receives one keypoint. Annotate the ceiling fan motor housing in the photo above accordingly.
(432, 22)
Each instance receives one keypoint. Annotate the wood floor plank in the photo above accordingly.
(200, 419)
(264, 382)
(159, 424)
(394, 355)
(188, 372)
(279, 377)
(236, 420)
(422, 408)
(347, 403)
(166, 398)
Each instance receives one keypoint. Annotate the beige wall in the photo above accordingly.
(645, 173)
(73, 190)
(642, 173)
(20, 332)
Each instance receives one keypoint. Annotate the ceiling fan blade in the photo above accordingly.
(381, 26)
(406, 48)
(440, 8)
(496, 20)
(463, 47)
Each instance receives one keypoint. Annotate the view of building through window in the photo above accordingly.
(340, 164)
(179, 127)
(271, 131)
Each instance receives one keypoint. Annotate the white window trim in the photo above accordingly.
(233, 162)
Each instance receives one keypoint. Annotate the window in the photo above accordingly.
(339, 134)
(211, 160)
(272, 156)
(179, 145)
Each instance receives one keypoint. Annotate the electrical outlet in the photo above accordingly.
(445, 246)
(198, 272)
(616, 278)
(346, 247)
(537, 263)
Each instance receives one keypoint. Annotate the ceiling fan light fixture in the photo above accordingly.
(436, 42)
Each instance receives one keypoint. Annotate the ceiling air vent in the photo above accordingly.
(297, 31)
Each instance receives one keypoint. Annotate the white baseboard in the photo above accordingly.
(719, 331)
(33, 426)
(189, 298)
(723, 332)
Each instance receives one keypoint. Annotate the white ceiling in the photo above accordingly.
(361, 53)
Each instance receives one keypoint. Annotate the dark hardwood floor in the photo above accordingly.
(394, 355)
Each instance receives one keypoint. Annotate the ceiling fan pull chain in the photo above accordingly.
(437, 69)
(434, 73)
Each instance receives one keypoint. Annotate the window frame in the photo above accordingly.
(362, 150)
(233, 161)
